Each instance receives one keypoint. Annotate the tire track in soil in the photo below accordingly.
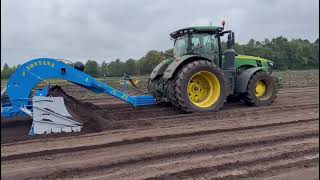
(134, 137)
(164, 109)
(124, 108)
(162, 121)
(102, 119)
(12, 132)
(286, 90)
(303, 138)
(229, 151)
(286, 159)
(273, 161)
(254, 169)
(110, 103)
(187, 118)
(112, 99)
(148, 139)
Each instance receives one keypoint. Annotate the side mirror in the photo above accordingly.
(230, 41)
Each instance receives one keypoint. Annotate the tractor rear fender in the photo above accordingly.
(243, 79)
(178, 63)
(160, 68)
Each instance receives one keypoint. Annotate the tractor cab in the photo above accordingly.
(204, 41)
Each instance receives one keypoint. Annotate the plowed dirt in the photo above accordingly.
(270, 142)
(87, 113)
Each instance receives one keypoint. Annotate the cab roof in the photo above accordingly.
(196, 29)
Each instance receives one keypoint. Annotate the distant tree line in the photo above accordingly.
(294, 54)
(6, 71)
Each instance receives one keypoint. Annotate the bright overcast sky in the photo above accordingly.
(79, 30)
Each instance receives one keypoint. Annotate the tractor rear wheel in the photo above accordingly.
(171, 94)
(200, 86)
(261, 89)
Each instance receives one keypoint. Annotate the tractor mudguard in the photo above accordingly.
(244, 77)
(171, 69)
(160, 68)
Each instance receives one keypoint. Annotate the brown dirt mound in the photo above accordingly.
(93, 117)
(90, 115)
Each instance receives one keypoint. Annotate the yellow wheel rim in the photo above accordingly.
(260, 89)
(203, 89)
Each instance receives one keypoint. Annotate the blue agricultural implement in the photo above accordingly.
(49, 113)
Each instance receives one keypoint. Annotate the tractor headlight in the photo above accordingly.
(270, 63)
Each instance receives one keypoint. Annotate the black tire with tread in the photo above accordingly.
(179, 95)
(170, 91)
(151, 86)
(249, 96)
(171, 94)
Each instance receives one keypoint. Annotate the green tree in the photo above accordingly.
(6, 71)
(92, 68)
(116, 68)
(131, 67)
(104, 69)
(150, 61)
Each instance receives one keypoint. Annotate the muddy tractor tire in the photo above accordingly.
(152, 87)
(261, 89)
(171, 94)
(198, 86)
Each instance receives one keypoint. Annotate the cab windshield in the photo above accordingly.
(180, 46)
(199, 44)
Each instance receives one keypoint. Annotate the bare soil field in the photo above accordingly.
(118, 141)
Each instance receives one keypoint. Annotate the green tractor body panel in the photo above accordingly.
(160, 68)
(243, 62)
(168, 67)
(178, 62)
(243, 79)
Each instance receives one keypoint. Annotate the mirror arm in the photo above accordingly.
(224, 32)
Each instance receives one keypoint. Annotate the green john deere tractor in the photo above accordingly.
(202, 76)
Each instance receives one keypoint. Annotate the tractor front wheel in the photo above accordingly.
(261, 89)
(200, 86)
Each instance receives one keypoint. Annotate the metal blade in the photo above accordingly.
(50, 115)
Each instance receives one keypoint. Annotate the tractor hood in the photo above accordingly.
(252, 61)
(253, 58)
